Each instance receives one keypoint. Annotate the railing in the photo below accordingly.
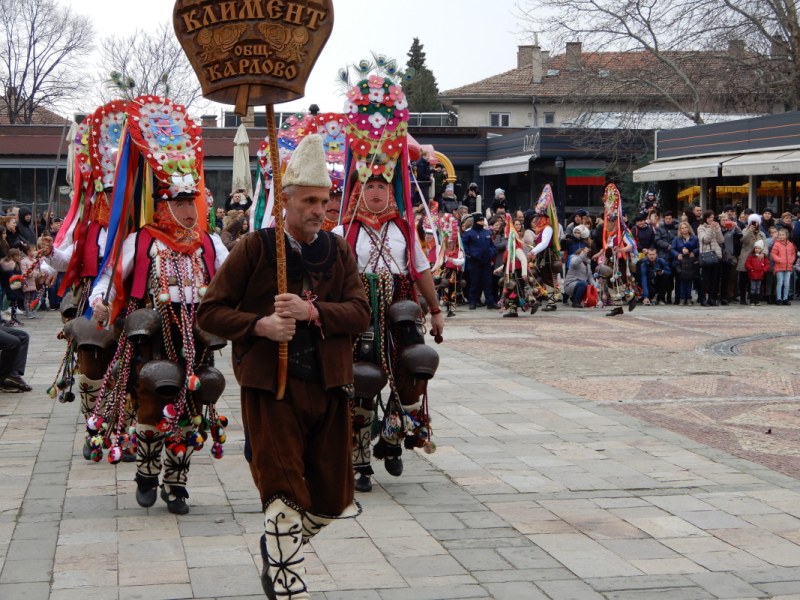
(433, 119)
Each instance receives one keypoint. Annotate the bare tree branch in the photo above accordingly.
(42, 45)
(148, 63)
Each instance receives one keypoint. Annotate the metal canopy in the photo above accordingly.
(764, 163)
(501, 166)
(687, 168)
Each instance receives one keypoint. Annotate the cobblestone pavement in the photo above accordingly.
(579, 457)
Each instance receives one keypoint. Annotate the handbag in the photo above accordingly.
(708, 259)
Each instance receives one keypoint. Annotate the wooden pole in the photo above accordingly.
(280, 241)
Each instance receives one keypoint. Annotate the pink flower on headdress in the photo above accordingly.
(396, 93)
(375, 82)
(376, 95)
(354, 94)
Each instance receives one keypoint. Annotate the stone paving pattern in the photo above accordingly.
(579, 457)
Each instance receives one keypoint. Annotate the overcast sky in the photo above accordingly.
(464, 40)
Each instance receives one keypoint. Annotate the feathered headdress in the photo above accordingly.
(546, 207)
(293, 129)
(376, 116)
(612, 215)
(161, 158)
(101, 132)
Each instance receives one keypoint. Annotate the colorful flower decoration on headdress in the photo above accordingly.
(612, 201)
(81, 151)
(376, 110)
(108, 122)
(171, 143)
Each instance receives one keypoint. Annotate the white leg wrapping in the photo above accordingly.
(89, 391)
(283, 536)
(362, 452)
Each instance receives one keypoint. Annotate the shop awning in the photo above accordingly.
(501, 166)
(781, 162)
(687, 168)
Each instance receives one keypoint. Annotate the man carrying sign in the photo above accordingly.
(298, 447)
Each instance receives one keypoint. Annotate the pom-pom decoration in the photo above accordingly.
(114, 455)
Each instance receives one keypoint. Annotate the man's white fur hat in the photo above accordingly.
(307, 166)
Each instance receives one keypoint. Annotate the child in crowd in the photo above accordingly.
(12, 268)
(783, 255)
(31, 280)
(757, 265)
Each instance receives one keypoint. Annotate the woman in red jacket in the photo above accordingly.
(783, 255)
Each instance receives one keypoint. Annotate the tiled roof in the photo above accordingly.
(41, 116)
(610, 75)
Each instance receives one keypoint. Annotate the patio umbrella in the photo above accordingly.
(242, 178)
(73, 131)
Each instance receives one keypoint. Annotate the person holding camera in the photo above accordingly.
(238, 200)
(751, 234)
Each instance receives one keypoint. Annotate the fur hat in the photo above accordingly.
(308, 167)
(754, 218)
(759, 245)
(499, 192)
(579, 231)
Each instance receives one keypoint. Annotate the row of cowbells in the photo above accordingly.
(416, 359)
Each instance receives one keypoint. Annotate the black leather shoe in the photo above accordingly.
(146, 490)
(17, 382)
(550, 308)
(394, 466)
(175, 499)
(363, 483)
(631, 304)
(617, 310)
(472, 307)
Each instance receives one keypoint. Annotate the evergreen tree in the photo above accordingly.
(421, 91)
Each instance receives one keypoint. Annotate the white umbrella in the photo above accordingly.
(242, 178)
(73, 131)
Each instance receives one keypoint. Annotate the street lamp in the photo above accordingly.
(561, 188)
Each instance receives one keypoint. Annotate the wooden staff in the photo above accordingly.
(280, 241)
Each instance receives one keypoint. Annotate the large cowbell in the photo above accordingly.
(252, 52)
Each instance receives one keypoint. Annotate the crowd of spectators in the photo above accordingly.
(695, 256)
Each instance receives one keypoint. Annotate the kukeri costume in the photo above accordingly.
(449, 275)
(298, 447)
(518, 293)
(154, 280)
(78, 251)
(390, 262)
(613, 261)
(543, 249)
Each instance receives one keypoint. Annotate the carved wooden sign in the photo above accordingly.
(253, 52)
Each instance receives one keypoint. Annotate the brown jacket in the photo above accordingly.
(244, 290)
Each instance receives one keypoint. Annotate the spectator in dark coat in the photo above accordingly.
(655, 278)
(25, 227)
(480, 251)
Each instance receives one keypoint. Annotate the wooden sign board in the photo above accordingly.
(252, 52)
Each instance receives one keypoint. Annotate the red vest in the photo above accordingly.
(142, 260)
(355, 228)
